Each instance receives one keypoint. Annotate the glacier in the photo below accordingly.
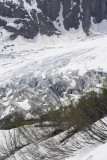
(49, 71)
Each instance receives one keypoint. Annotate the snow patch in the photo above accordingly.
(25, 105)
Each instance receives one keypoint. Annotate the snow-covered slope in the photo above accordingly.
(43, 71)
(39, 143)
(40, 55)
(98, 153)
(38, 71)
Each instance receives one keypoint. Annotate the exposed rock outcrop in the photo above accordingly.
(30, 17)
(26, 20)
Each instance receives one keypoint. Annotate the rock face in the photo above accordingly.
(30, 17)
(26, 19)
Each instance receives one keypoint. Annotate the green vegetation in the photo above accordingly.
(90, 107)
(16, 124)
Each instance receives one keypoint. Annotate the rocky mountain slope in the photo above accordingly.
(50, 17)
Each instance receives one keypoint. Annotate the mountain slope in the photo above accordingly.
(30, 17)
(49, 71)
(22, 18)
(51, 51)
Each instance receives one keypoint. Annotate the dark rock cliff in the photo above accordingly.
(27, 22)
(29, 19)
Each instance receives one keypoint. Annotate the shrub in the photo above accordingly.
(90, 108)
